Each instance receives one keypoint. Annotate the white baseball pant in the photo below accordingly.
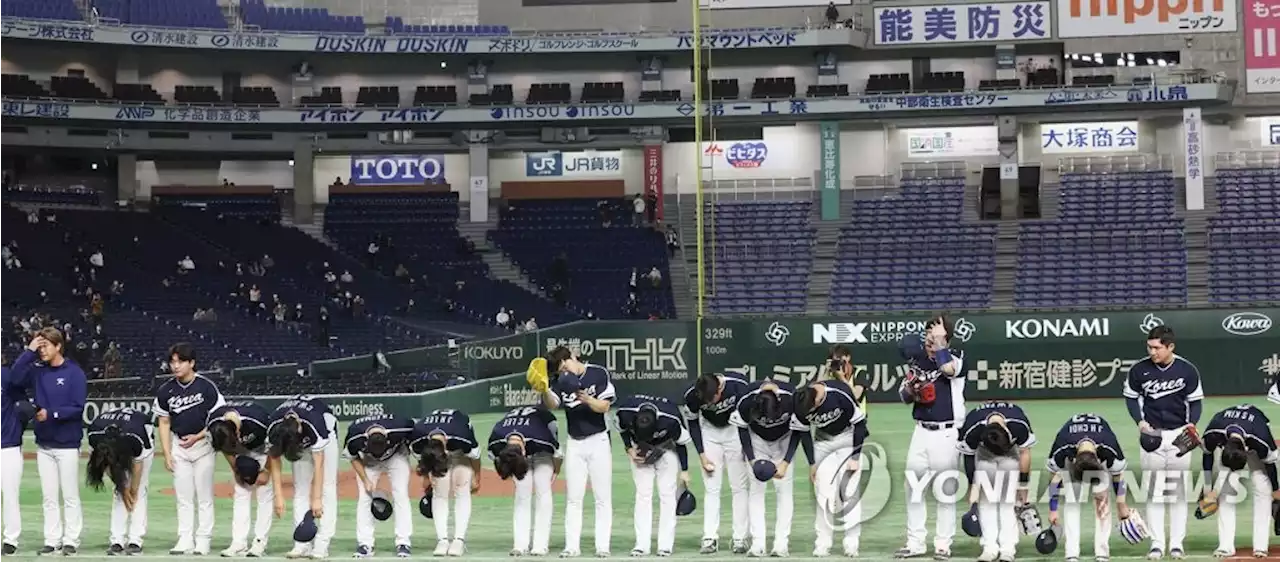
(60, 480)
(1170, 474)
(303, 471)
(129, 527)
(824, 521)
(1260, 488)
(589, 459)
(932, 453)
(1076, 497)
(723, 448)
(397, 470)
(193, 492)
(666, 471)
(242, 510)
(996, 515)
(10, 486)
(533, 492)
(455, 482)
(775, 451)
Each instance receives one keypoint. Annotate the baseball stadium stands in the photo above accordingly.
(761, 258)
(200, 14)
(1244, 239)
(41, 9)
(256, 12)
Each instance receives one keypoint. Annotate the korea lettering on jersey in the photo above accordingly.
(716, 413)
(771, 429)
(536, 425)
(837, 413)
(669, 426)
(398, 429)
(1015, 421)
(311, 416)
(1164, 392)
(187, 405)
(1086, 427)
(454, 425)
(583, 421)
(132, 423)
(1247, 421)
(253, 422)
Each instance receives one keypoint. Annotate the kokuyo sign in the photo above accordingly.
(1116, 18)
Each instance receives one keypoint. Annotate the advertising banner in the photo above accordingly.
(1089, 138)
(1261, 53)
(1270, 128)
(829, 137)
(749, 154)
(653, 174)
(1193, 138)
(754, 4)
(952, 141)
(963, 23)
(1112, 18)
(397, 169)
(587, 164)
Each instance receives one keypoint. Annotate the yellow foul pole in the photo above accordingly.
(697, 146)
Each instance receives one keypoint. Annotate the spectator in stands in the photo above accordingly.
(113, 361)
(255, 294)
(402, 273)
(503, 320)
(95, 259)
(226, 183)
(372, 254)
(96, 306)
(638, 204)
(322, 327)
(198, 315)
(186, 265)
(651, 206)
(346, 276)
(117, 288)
(673, 240)
(338, 181)
(410, 307)
(278, 313)
(558, 295)
(531, 325)
(297, 313)
(357, 306)
(655, 277)
(631, 309)
(33, 217)
(257, 270)
(833, 15)
(591, 315)
(602, 208)
(267, 262)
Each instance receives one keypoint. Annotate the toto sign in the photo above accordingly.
(397, 169)
(1247, 323)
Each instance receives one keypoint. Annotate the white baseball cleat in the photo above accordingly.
(821, 550)
(258, 550)
(319, 554)
(987, 556)
(442, 548)
(458, 547)
(202, 547)
(183, 548)
(566, 553)
(850, 549)
(299, 551)
(234, 551)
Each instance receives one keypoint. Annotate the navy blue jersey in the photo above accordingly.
(1164, 394)
(535, 424)
(1245, 420)
(582, 420)
(1274, 393)
(134, 425)
(1015, 420)
(715, 413)
(399, 431)
(311, 414)
(1086, 427)
(772, 429)
(949, 404)
(454, 425)
(837, 413)
(253, 422)
(670, 428)
(187, 405)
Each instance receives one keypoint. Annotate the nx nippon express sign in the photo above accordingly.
(1115, 18)
(397, 169)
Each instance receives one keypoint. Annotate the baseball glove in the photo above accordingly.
(537, 375)
(921, 390)
(649, 454)
(1133, 528)
(1205, 508)
(1187, 441)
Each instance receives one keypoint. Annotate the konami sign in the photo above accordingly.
(397, 169)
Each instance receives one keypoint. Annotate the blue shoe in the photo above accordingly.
(403, 551)
(362, 551)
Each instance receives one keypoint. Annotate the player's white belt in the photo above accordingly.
(936, 426)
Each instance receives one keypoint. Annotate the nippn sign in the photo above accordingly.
(1107, 18)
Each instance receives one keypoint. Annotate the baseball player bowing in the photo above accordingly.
(995, 442)
(706, 408)
(769, 437)
(182, 406)
(1086, 456)
(121, 449)
(935, 390)
(303, 431)
(1164, 398)
(656, 442)
(449, 463)
(1242, 435)
(376, 446)
(585, 391)
(831, 410)
(239, 431)
(525, 445)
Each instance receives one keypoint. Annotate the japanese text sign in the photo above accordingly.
(653, 174)
(962, 23)
(1115, 18)
(952, 141)
(1193, 150)
(1261, 52)
(573, 164)
(1089, 138)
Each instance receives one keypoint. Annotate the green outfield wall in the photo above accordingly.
(1050, 355)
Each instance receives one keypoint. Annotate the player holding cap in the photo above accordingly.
(121, 449)
(711, 399)
(995, 442)
(376, 445)
(1085, 456)
(239, 431)
(656, 442)
(935, 390)
(585, 391)
(832, 411)
(769, 437)
(525, 445)
(1242, 434)
(1164, 395)
(304, 431)
(449, 463)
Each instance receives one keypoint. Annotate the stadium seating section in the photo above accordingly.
(200, 14)
(257, 13)
(762, 253)
(1244, 239)
(890, 253)
(41, 9)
